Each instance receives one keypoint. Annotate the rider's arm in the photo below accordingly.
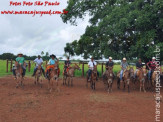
(148, 65)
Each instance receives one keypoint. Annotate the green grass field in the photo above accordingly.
(77, 73)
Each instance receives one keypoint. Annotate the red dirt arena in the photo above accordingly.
(73, 104)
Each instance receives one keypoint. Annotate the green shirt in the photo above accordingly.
(20, 60)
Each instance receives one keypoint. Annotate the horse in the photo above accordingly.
(126, 79)
(93, 78)
(38, 78)
(142, 76)
(155, 76)
(110, 77)
(132, 74)
(19, 74)
(53, 75)
(70, 74)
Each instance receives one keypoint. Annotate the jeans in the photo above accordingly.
(35, 69)
(89, 73)
(149, 74)
(121, 74)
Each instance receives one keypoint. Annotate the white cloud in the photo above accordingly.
(31, 35)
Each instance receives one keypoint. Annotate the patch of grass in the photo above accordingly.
(61, 65)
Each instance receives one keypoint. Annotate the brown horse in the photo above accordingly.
(53, 75)
(38, 76)
(70, 74)
(126, 79)
(19, 74)
(142, 77)
(93, 78)
(110, 77)
(155, 76)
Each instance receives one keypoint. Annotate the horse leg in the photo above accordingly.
(108, 87)
(68, 81)
(143, 87)
(22, 82)
(41, 82)
(118, 83)
(48, 84)
(140, 85)
(63, 80)
(17, 82)
(71, 81)
(111, 86)
(94, 85)
(124, 86)
(128, 83)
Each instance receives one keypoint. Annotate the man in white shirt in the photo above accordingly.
(38, 62)
(91, 65)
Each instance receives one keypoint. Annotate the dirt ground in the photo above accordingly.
(73, 104)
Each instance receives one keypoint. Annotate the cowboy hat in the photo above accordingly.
(20, 53)
(53, 56)
(124, 59)
(153, 58)
(110, 58)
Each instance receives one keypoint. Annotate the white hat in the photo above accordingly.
(124, 58)
(153, 58)
(110, 58)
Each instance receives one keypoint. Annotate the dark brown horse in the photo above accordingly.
(70, 74)
(110, 77)
(93, 78)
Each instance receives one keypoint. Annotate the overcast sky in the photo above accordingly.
(31, 35)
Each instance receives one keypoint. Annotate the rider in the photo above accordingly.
(20, 59)
(139, 65)
(124, 66)
(109, 64)
(38, 62)
(151, 65)
(51, 64)
(91, 65)
(67, 65)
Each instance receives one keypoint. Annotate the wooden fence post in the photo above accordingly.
(83, 69)
(11, 66)
(7, 65)
(29, 66)
(102, 68)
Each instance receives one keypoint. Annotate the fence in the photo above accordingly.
(9, 64)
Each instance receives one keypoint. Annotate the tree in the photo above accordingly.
(69, 49)
(118, 28)
(42, 53)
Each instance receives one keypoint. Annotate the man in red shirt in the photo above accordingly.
(151, 65)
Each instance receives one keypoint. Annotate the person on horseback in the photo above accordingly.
(38, 62)
(20, 60)
(66, 65)
(109, 64)
(124, 66)
(139, 65)
(91, 65)
(51, 64)
(151, 66)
